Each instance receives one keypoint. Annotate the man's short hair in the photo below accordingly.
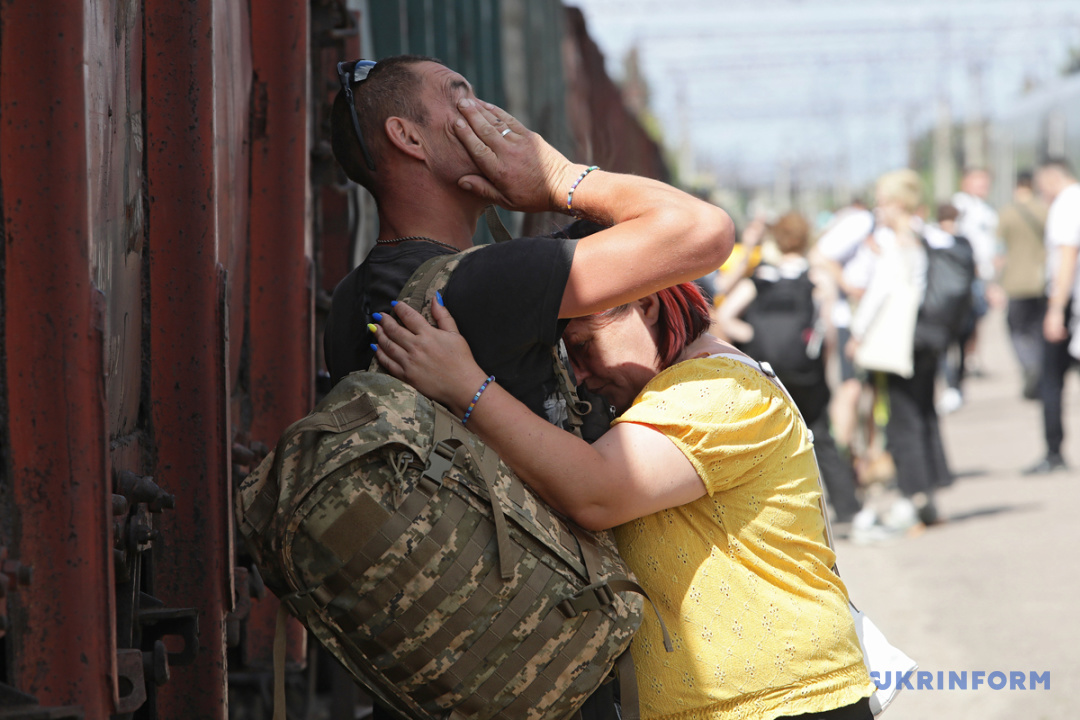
(1058, 163)
(1025, 179)
(392, 89)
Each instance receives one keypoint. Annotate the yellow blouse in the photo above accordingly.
(742, 576)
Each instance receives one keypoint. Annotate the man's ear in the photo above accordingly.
(404, 135)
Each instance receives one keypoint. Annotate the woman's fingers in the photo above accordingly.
(482, 127)
(412, 320)
(388, 363)
(442, 316)
(482, 187)
(506, 118)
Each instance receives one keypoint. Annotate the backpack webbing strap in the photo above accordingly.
(629, 701)
(627, 585)
(576, 408)
(280, 636)
(448, 430)
(600, 594)
(589, 552)
(495, 224)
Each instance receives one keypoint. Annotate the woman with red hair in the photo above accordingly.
(709, 480)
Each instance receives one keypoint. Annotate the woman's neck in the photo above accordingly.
(705, 346)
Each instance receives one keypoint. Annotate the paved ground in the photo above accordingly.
(996, 587)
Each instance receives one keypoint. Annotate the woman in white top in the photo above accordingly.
(913, 436)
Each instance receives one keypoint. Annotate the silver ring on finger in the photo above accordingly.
(505, 132)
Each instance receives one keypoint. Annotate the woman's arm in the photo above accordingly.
(729, 314)
(632, 471)
(660, 236)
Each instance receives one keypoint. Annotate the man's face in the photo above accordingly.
(442, 90)
(1047, 183)
(977, 183)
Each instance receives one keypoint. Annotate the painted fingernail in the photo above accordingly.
(373, 327)
(377, 317)
(393, 303)
(374, 347)
(438, 296)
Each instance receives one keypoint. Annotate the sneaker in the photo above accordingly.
(1049, 464)
(901, 516)
(873, 535)
(951, 401)
(865, 518)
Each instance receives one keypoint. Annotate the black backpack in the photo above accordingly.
(947, 305)
(784, 319)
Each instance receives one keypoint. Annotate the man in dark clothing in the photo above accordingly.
(413, 133)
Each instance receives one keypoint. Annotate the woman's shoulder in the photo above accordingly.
(707, 386)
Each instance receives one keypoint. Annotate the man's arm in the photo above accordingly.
(1054, 329)
(660, 236)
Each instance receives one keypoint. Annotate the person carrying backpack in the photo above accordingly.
(919, 256)
(773, 316)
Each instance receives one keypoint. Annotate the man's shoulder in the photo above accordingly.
(517, 255)
(1069, 198)
(1065, 210)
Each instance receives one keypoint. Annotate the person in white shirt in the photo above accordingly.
(1057, 183)
(843, 251)
(978, 223)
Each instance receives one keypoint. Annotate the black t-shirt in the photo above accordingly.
(369, 288)
(504, 297)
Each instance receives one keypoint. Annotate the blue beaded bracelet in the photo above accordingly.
(570, 195)
(476, 398)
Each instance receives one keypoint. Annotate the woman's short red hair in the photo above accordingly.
(684, 317)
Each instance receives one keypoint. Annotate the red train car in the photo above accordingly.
(172, 224)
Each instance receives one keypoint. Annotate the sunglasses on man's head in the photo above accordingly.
(352, 73)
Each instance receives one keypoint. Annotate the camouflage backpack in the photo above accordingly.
(417, 558)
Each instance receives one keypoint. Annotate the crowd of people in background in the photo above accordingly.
(807, 299)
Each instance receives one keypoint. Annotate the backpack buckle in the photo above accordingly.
(439, 463)
(592, 597)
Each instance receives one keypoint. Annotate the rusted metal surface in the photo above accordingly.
(163, 259)
(281, 324)
(189, 380)
(605, 131)
(54, 323)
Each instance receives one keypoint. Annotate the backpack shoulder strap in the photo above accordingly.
(1029, 217)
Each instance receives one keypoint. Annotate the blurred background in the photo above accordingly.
(801, 104)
